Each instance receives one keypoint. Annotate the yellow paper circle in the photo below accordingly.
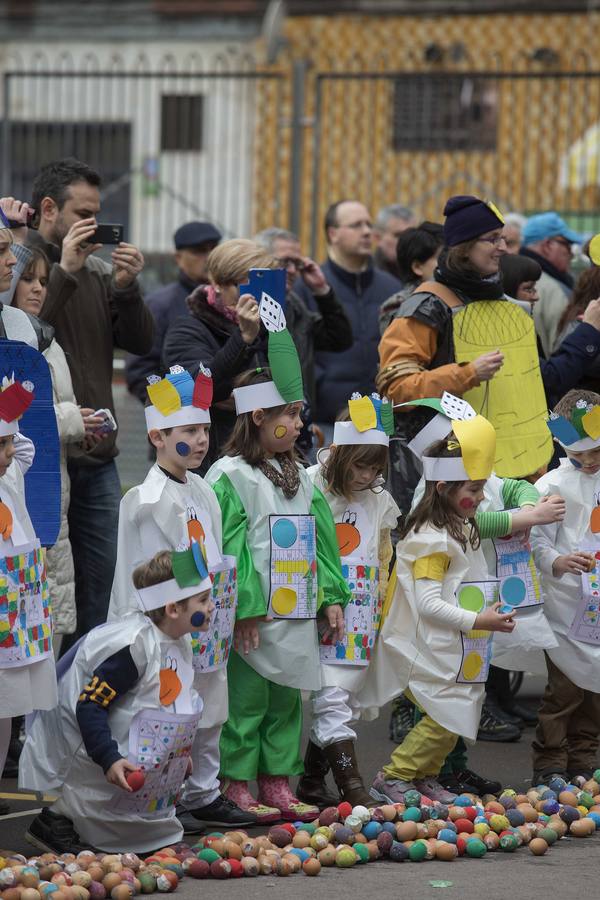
(284, 601)
(472, 665)
(594, 250)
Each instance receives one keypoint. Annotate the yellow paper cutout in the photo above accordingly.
(594, 250)
(491, 205)
(389, 595)
(433, 566)
(514, 400)
(362, 412)
(477, 438)
(164, 397)
(591, 422)
(284, 601)
(472, 665)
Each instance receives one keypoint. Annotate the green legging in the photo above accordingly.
(456, 761)
(263, 732)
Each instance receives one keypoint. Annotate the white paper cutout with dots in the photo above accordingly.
(456, 408)
(271, 313)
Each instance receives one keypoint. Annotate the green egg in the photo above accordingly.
(412, 814)
(362, 852)
(417, 851)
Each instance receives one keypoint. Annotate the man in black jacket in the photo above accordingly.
(193, 243)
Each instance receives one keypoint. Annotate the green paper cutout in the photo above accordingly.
(185, 569)
(576, 417)
(431, 402)
(387, 418)
(285, 366)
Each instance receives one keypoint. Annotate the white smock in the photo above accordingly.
(578, 660)
(54, 756)
(31, 685)
(288, 651)
(366, 514)
(415, 651)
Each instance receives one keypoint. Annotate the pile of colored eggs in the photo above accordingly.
(342, 836)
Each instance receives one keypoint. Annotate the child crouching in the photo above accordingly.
(125, 703)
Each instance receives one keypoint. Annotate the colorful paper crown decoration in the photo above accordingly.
(286, 386)
(178, 399)
(371, 422)
(476, 439)
(579, 432)
(15, 399)
(191, 577)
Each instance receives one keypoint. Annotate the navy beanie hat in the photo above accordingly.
(467, 218)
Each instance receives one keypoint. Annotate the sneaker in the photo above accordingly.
(55, 834)
(390, 790)
(503, 715)
(402, 719)
(238, 793)
(274, 790)
(468, 782)
(493, 729)
(543, 776)
(222, 812)
(431, 788)
(524, 713)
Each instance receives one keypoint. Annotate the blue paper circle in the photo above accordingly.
(284, 533)
(198, 619)
(513, 591)
(182, 448)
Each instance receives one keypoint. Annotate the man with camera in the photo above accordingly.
(105, 311)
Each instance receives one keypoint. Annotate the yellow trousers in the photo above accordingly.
(422, 752)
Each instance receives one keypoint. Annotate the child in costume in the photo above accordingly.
(279, 527)
(127, 702)
(567, 553)
(350, 478)
(173, 507)
(27, 670)
(437, 634)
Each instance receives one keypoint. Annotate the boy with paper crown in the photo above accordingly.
(437, 634)
(567, 555)
(279, 527)
(350, 474)
(126, 705)
(28, 675)
(173, 507)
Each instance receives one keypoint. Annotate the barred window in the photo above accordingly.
(181, 121)
(445, 112)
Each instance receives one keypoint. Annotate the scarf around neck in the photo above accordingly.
(472, 286)
(206, 295)
(288, 480)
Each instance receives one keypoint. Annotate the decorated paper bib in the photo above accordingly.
(362, 616)
(293, 567)
(211, 648)
(25, 610)
(475, 596)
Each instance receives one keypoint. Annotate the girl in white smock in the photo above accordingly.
(350, 477)
(27, 670)
(126, 703)
(436, 638)
(280, 529)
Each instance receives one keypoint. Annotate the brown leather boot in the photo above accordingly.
(344, 766)
(312, 787)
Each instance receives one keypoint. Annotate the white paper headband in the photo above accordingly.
(257, 396)
(449, 468)
(187, 415)
(158, 595)
(347, 433)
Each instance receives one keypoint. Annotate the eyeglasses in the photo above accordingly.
(289, 262)
(563, 243)
(495, 241)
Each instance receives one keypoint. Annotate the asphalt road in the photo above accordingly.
(564, 871)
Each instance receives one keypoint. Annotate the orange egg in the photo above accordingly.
(538, 846)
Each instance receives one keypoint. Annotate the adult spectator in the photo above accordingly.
(391, 221)
(193, 244)
(514, 223)
(417, 252)
(548, 239)
(105, 311)
(326, 329)
(361, 289)
(223, 332)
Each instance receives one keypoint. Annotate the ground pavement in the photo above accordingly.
(564, 871)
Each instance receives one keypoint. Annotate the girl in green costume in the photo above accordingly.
(280, 528)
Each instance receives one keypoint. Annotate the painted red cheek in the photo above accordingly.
(465, 503)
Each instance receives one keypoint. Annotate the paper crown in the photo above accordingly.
(286, 386)
(371, 422)
(476, 439)
(15, 399)
(178, 399)
(191, 577)
(579, 432)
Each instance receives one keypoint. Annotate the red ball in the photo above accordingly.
(470, 813)
(197, 868)
(344, 809)
(464, 825)
(426, 801)
(237, 870)
(221, 868)
(289, 827)
(461, 846)
(135, 780)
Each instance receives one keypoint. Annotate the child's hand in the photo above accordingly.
(335, 621)
(492, 619)
(117, 772)
(573, 564)
(549, 509)
(245, 635)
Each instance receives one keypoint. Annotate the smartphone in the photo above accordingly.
(108, 423)
(107, 234)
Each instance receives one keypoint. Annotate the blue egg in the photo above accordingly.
(557, 784)
(595, 817)
(515, 817)
(388, 826)
(447, 835)
(480, 820)
(551, 807)
(451, 826)
(463, 800)
(301, 854)
(371, 830)
(548, 795)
